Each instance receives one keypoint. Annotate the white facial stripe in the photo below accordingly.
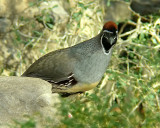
(107, 31)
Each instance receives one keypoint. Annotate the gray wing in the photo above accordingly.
(55, 66)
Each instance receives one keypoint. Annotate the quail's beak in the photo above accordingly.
(111, 37)
(112, 40)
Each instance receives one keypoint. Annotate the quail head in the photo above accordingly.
(78, 68)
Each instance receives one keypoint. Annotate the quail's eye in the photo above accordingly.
(106, 35)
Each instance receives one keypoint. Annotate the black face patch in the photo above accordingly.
(106, 44)
(108, 40)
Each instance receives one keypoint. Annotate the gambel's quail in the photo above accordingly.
(78, 68)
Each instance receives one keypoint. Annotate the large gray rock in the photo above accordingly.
(146, 7)
(20, 96)
(56, 9)
(117, 11)
(4, 25)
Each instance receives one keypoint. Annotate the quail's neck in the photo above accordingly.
(88, 47)
(90, 59)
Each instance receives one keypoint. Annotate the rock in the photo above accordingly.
(28, 8)
(4, 26)
(118, 11)
(56, 9)
(146, 7)
(20, 96)
(11, 9)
